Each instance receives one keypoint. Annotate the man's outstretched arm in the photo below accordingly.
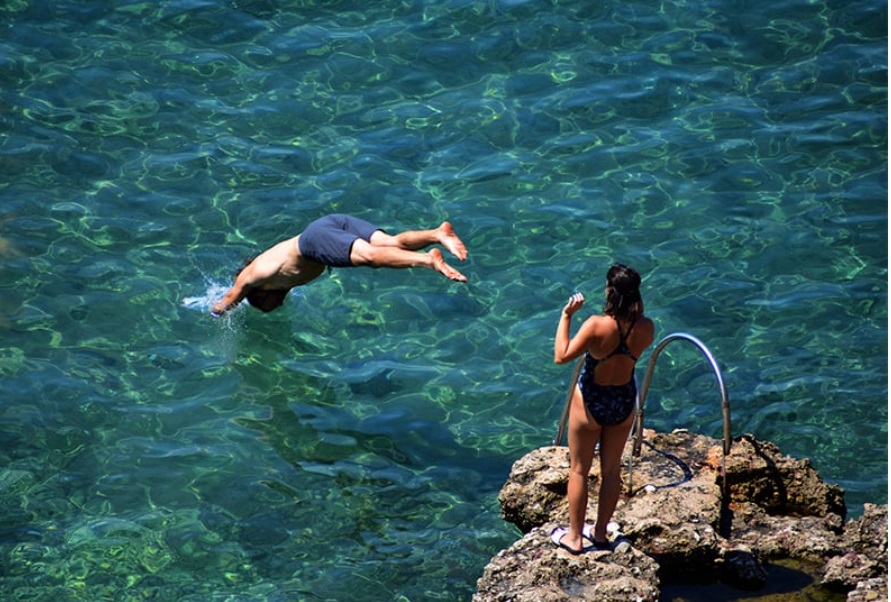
(235, 295)
(232, 298)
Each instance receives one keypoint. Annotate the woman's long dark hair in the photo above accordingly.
(623, 300)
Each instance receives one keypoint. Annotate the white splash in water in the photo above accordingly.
(205, 302)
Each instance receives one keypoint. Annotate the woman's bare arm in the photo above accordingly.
(568, 348)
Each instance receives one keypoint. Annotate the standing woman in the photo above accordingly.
(602, 405)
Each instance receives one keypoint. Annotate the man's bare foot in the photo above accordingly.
(450, 240)
(445, 269)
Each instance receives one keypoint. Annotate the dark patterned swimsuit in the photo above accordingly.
(608, 404)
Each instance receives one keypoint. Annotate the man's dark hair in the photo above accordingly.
(259, 298)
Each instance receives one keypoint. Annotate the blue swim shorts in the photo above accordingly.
(330, 239)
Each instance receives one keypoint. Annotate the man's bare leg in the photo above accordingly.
(413, 240)
(387, 256)
(445, 269)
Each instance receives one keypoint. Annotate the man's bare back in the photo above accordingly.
(337, 241)
(282, 266)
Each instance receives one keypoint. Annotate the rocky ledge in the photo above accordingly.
(694, 515)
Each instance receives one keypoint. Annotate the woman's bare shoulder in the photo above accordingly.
(646, 322)
(647, 327)
(598, 327)
(598, 322)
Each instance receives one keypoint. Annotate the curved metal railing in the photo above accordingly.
(561, 430)
(725, 401)
(637, 431)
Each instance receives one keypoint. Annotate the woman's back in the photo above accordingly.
(616, 345)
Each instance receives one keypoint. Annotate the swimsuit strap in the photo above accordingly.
(622, 347)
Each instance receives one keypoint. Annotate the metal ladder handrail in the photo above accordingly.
(561, 430)
(637, 429)
(725, 402)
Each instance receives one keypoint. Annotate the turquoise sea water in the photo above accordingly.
(352, 445)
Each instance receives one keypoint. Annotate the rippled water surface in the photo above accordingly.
(734, 151)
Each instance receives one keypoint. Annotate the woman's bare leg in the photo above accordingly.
(583, 435)
(612, 444)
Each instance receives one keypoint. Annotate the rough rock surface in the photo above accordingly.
(692, 510)
(534, 570)
(865, 554)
